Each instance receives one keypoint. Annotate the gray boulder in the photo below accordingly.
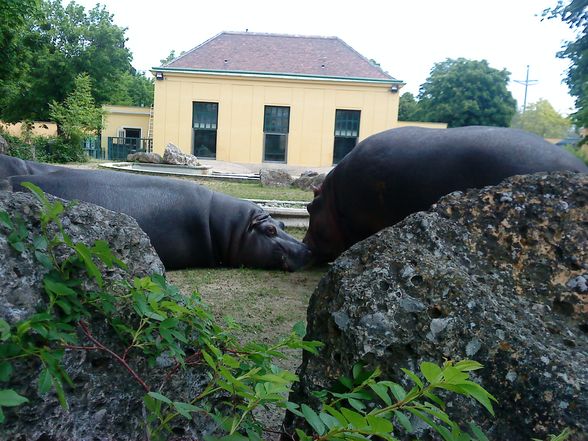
(309, 180)
(498, 276)
(146, 157)
(271, 177)
(173, 155)
(106, 403)
(3, 145)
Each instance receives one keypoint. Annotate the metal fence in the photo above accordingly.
(92, 148)
(119, 148)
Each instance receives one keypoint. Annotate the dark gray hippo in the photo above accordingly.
(401, 171)
(188, 224)
(11, 166)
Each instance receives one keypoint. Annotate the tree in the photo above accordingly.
(541, 118)
(575, 14)
(171, 57)
(55, 46)
(77, 117)
(466, 92)
(408, 108)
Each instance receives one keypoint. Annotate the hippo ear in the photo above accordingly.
(257, 219)
(317, 190)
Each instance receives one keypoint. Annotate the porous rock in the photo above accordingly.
(173, 155)
(3, 145)
(497, 276)
(271, 177)
(309, 180)
(106, 403)
(145, 157)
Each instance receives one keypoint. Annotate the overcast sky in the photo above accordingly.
(405, 36)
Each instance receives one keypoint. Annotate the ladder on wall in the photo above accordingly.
(150, 127)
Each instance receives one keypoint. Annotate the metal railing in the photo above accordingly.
(119, 148)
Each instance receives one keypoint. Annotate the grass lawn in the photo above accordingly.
(254, 190)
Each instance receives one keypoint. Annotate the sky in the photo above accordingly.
(407, 37)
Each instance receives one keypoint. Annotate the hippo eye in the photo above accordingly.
(271, 231)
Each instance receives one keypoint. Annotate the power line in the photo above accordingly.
(527, 82)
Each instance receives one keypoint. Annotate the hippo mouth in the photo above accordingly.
(295, 261)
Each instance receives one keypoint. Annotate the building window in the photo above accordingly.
(204, 124)
(276, 125)
(346, 132)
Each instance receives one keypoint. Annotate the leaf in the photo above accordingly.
(4, 330)
(477, 431)
(330, 421)
(357, 370)
(44, 259)
(479, 394)
(354, 418)
(431, 371)
(380, 425)
(413, 377)
(84, 253)
(468, 365)
(342, 420)
(293, 407)
(356, 404)
(160, 397)
(404, 421)
(5, 371)
(299, 329)
(313, 419)
(184, 409)
(382, 392)
(44, 381)
(9, 398)
(5, 220)
(438, 401)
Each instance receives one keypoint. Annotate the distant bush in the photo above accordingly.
(44, 149)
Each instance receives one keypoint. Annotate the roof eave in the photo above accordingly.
(241, 73)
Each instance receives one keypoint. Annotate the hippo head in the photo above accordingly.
(324, 237)
(266, 245)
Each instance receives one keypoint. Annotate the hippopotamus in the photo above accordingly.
(11, 166)
(188, 224)
(401, 171)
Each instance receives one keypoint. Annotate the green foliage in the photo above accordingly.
(541, 118)
(465, 92)
(55, 45)
(77, 117)
(44, 149)
(153, 318)
(408, 109)
(366, 407)
(575, 14)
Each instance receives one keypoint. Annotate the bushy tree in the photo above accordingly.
(541, 118)
(408, 108)
(575, 14)
(54, 46)
(77, 117)
(465, 92)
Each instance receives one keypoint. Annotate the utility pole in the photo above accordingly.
(527, 83)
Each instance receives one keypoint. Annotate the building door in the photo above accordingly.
(204, 125)
(276, 125)
(346, 132)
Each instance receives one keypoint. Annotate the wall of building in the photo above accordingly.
(39, 128)
(427, 125)
(117, 117)
(241, 103)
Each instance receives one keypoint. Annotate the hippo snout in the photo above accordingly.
(301, 258)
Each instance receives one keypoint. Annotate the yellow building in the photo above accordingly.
(125, 129)
(253, 98)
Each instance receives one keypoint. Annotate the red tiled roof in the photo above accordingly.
(280, 54)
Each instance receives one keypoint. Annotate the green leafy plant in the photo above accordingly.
(153, 319)
(366, 407)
